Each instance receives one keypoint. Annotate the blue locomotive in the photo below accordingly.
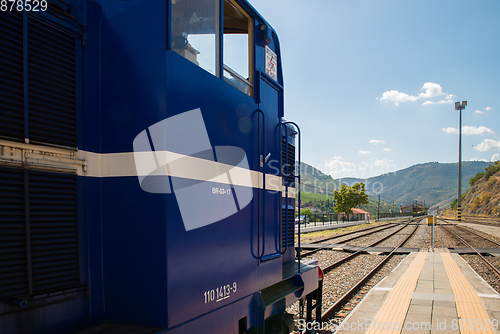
(147, 176)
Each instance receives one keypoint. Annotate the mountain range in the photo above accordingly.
(318, 187)
(432, 182)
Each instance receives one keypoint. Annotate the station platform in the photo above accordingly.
(493, 230)
(429, 292)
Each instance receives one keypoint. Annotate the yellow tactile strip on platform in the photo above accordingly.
(396, 305)
(471, 313)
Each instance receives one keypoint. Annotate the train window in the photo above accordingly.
(195, 27)
(237, 53)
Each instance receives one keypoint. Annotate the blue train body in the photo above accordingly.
(90, 238)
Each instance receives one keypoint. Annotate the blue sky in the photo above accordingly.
(372, 83)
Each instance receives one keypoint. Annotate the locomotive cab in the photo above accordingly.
(151, 175)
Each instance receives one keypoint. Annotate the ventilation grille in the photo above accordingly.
(50, 91)
(13, 253)
(53, 227)
(287, 219)
(52, 85)
(54, 230)
(11, 76)
(288, 163)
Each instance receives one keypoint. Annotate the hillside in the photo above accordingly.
(435, 183)
(317, 191)
(313, 180)
(483, 198)
(324, 203)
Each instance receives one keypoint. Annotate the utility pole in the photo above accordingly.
(378, 209)
(459, 202)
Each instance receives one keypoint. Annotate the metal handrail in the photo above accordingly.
(260, 256)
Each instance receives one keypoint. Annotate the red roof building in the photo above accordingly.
(357, 214)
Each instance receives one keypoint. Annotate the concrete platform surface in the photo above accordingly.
(493, 230)
(429, 292)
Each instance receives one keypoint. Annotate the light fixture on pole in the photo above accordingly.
(460, 107)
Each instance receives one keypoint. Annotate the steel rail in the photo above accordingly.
(352, 232)
(470, 231)
(353, 255)
(482, 220)
(495, 270)
(385, 227)
(337, 306)
(485, 238)
(477, 221)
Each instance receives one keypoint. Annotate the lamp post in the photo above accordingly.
(460, 107)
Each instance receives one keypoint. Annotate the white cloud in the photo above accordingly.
(364, 152)
(450, 130)
(476, 159)
(487, 108)
(487, 145)
(470, 130)
(438, 102)
(479, 112)
(387, 149)
(336, 167)
(430, 90)
(382, 162)
(476, 130)
(376, 141)
(495, 157)
(397, 97)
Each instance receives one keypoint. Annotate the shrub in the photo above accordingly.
(492, 170)
(474, 179)
(454, 204)
(491, 182)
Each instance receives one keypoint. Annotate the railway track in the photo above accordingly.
(364, 232)
(360, 251)
(343, 300)
(348, 233)
(482, 220)
(350, 271)
(362, 269)
(448, 227)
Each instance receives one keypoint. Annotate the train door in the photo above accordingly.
(238, 52)
(270, 94)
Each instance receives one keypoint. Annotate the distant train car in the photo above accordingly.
(147, 177)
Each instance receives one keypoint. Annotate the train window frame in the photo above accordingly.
(201, 29)
(220, 69)
(238, 80)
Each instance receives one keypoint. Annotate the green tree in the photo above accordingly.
(306, 212)
(350, 197)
